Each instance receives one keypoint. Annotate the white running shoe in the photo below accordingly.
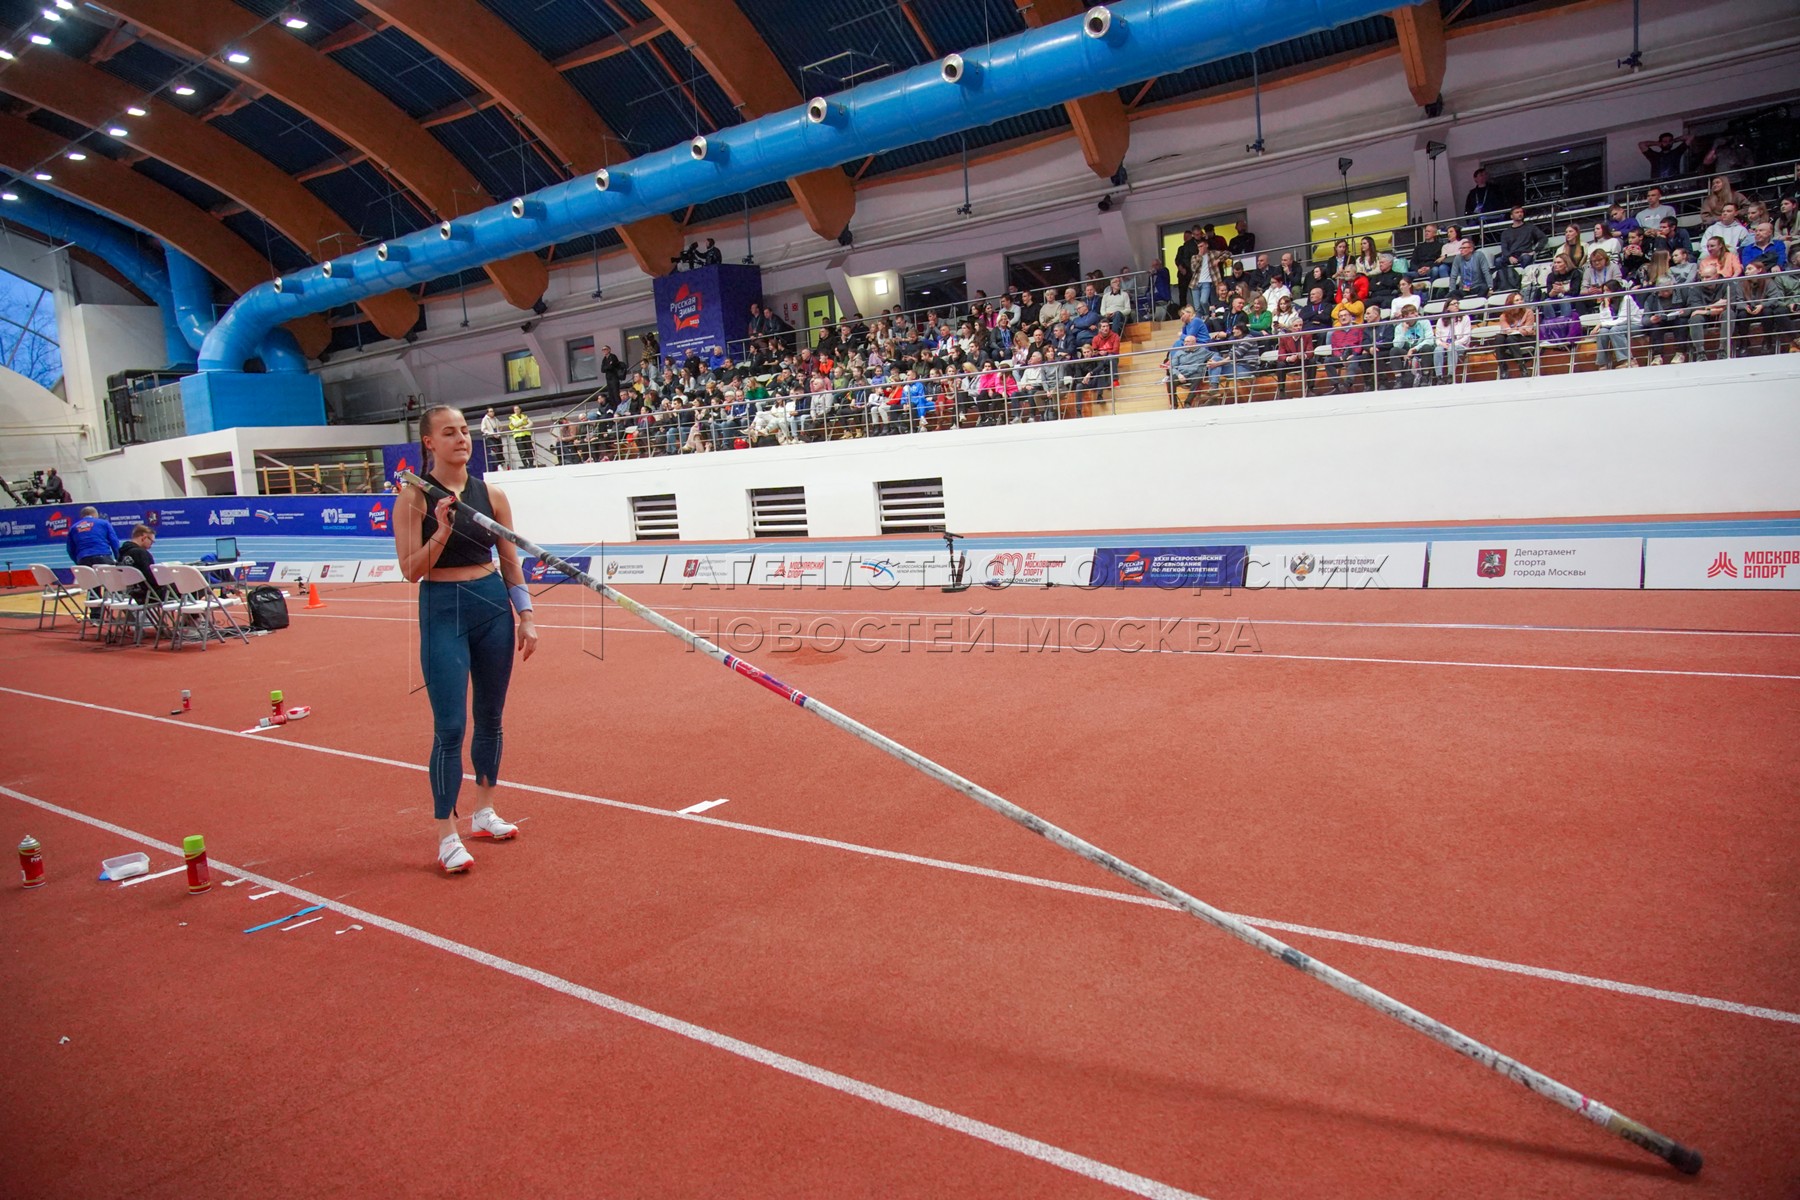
(453, 856)
(486, 824)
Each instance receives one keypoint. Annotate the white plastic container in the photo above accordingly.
(125, 866)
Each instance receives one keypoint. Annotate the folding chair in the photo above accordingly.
(93, 612)
(123, 612)
(199, 606)
(55, 596)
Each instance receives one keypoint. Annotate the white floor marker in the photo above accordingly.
(701, 807)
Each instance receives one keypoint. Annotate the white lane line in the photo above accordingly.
(696, 809)
(148, 878)
(274, 888)
(994, 1135)
(1476, 626)
(941, 644)
(300, 924)
(1493, 964)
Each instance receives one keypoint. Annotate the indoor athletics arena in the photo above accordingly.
(900, 598)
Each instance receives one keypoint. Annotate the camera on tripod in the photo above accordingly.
(689, 258)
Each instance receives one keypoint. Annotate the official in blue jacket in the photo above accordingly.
(92, 540)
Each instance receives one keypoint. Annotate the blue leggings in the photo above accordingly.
(465, 633)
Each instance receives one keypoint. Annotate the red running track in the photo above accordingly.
(1358, 770)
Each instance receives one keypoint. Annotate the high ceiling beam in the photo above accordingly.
(92, 97)
(287, 68)
(1421, 32)
(486, 51)
(727, 44)
(120, 192)
(1102, 126)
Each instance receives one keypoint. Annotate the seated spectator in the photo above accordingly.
(1187, 369)
(1258, 276)
(1572, 246)
(1727, 229)
(1352, 297)
(1599, 272)
(1349, 353)
(1707, 302)
(1259, 318)
(1784, 307)
(1116, 308)
(1787, 220)
(1752, 310)
(1376, 339)
(1426, 252)
(1514, 345)
(1290, 344)
(1405, 300)
(1384, 281)
(1650, 217)
(1338, 264)
(1633, 257)
(1762, 247)
(93, 542)
(1605, 238)
(1620, 317)
(1084, 324)
(1558, 322)
(1368, 259)
(136, 553)
(1451, 340)
(1665, 154)
(1242, 242)
(1663, 319)
(1729, 265)
(1619, 221)
(1520, 244)
(1413, 346)
(1471, 276)
(1720, 193)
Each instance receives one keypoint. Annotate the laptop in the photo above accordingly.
(225, 549)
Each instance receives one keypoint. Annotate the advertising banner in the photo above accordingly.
(1337, 565)
(537, 571)
(915, 569)
(1003, 568)
(379, 570)
(1722, 563)
(705, 307)
(791, 570)
(335, 572)
(710, 570)
(292, 572)
(406, 456)
(1169, 567)
(632, 568)
(1577, 563)
(262, 572)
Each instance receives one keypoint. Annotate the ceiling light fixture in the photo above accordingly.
(77, 156)
(9, 195)
(7, 55)
(118, 131)
(237, 58)
(50, 14)
(183, 89)
(41, 176)
(38, 39)
(295, 21)
(135, 111)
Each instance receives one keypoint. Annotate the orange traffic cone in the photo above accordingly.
(312, 596)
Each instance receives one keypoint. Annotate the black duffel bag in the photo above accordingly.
(268, 608)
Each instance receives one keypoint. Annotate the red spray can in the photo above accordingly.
(199, 875)
(31, 862)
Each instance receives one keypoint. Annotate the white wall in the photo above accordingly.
(222, 462)
(39, 430)
(1691, 439)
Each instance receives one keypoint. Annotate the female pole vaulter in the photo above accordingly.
(467, 634)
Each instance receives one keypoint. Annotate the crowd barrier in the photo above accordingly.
(345, 539)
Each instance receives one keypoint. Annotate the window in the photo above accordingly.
(582, 366)
(944, 288)
(778, 512)
(910, 505)
(1373, 210)
(521, 371)
(1035, 270)
(1546, 175)
(653, 518)
(1226, 225)
(28, 331)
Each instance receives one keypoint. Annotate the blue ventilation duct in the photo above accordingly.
(119, 246)
(190, 290)
(1105, 48)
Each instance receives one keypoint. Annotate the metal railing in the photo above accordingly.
(1766, 183)
(1137, 284)
(276, 478)
(1558, 335)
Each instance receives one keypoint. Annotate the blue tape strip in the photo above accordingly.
(284, 920)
